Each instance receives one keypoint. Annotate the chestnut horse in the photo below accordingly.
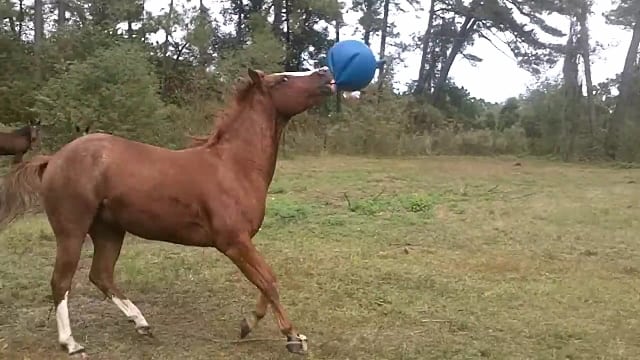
(212, 194)
(19, 141)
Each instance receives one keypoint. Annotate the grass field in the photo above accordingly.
(436, 258)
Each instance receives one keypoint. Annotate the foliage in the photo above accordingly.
(114, 90)
(156, 77)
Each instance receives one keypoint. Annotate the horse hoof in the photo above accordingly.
(79, 354)
(145, 331)
(297, 344)
(245, 328)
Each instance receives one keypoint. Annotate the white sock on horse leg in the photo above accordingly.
(131, 311)
(64, 327)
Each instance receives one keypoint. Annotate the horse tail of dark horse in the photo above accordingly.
(20, 189)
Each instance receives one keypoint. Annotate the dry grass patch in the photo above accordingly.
(425, 258)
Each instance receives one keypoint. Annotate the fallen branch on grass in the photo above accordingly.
(405, 244)
(436, 320)
(240, 341)
(405, 249)
(522, 196)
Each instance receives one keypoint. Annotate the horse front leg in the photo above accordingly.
(245, 256)
(17, 158)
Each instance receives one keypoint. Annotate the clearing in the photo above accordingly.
(430, 258)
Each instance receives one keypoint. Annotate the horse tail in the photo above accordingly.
(20, 189)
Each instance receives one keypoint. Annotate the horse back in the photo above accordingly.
(11, 144)
(155, 192)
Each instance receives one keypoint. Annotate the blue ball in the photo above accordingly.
(353, 65)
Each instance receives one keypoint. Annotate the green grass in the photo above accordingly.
(437, 258)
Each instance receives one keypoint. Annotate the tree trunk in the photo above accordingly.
(62, 17)
(142, 18)
(277, 18)
(461, 38)
(383, 45)
(165, 47)
(20, 18)
(611, 143)
(338, 93)
(203, 50)
(421, 85)
(585, 50)
(130, 28)
(289, 56)
(239, 29)
(38, 24)
(368, 30)
(12, 26)
(571, 94)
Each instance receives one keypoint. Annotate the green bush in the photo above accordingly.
(115, 90)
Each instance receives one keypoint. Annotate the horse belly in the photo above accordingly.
(159, 222)
(7, 151)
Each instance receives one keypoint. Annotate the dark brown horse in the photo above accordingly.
(82, 132)
(212, 194)
(19, 141)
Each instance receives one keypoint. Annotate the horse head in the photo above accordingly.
(34, 131)
(292, 93)
(82, 132)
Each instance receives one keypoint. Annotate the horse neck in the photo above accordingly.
(251, 139)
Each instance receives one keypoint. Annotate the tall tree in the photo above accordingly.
(585, 51)
(383, 45)
(459, 24)
(627, 14)
(370, 20)
(62, 16)
(38, 35)
(571, 92)
(423, 82)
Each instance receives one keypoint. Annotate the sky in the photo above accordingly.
(498, 76)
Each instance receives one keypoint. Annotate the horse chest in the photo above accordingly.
(243, 213)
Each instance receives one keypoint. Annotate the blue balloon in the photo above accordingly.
(352, 64)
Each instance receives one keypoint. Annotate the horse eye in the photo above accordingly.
(285, 79)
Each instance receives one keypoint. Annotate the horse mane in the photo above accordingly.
(241, 93)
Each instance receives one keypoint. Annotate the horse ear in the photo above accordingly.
(255, 75)
(77, 128)
(86, 130)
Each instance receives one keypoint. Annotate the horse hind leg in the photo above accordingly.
(107, 243)
(252, 319)
(68, 251)
(70, 214)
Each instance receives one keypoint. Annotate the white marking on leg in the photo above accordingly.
(131, 311)
(64, 327)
